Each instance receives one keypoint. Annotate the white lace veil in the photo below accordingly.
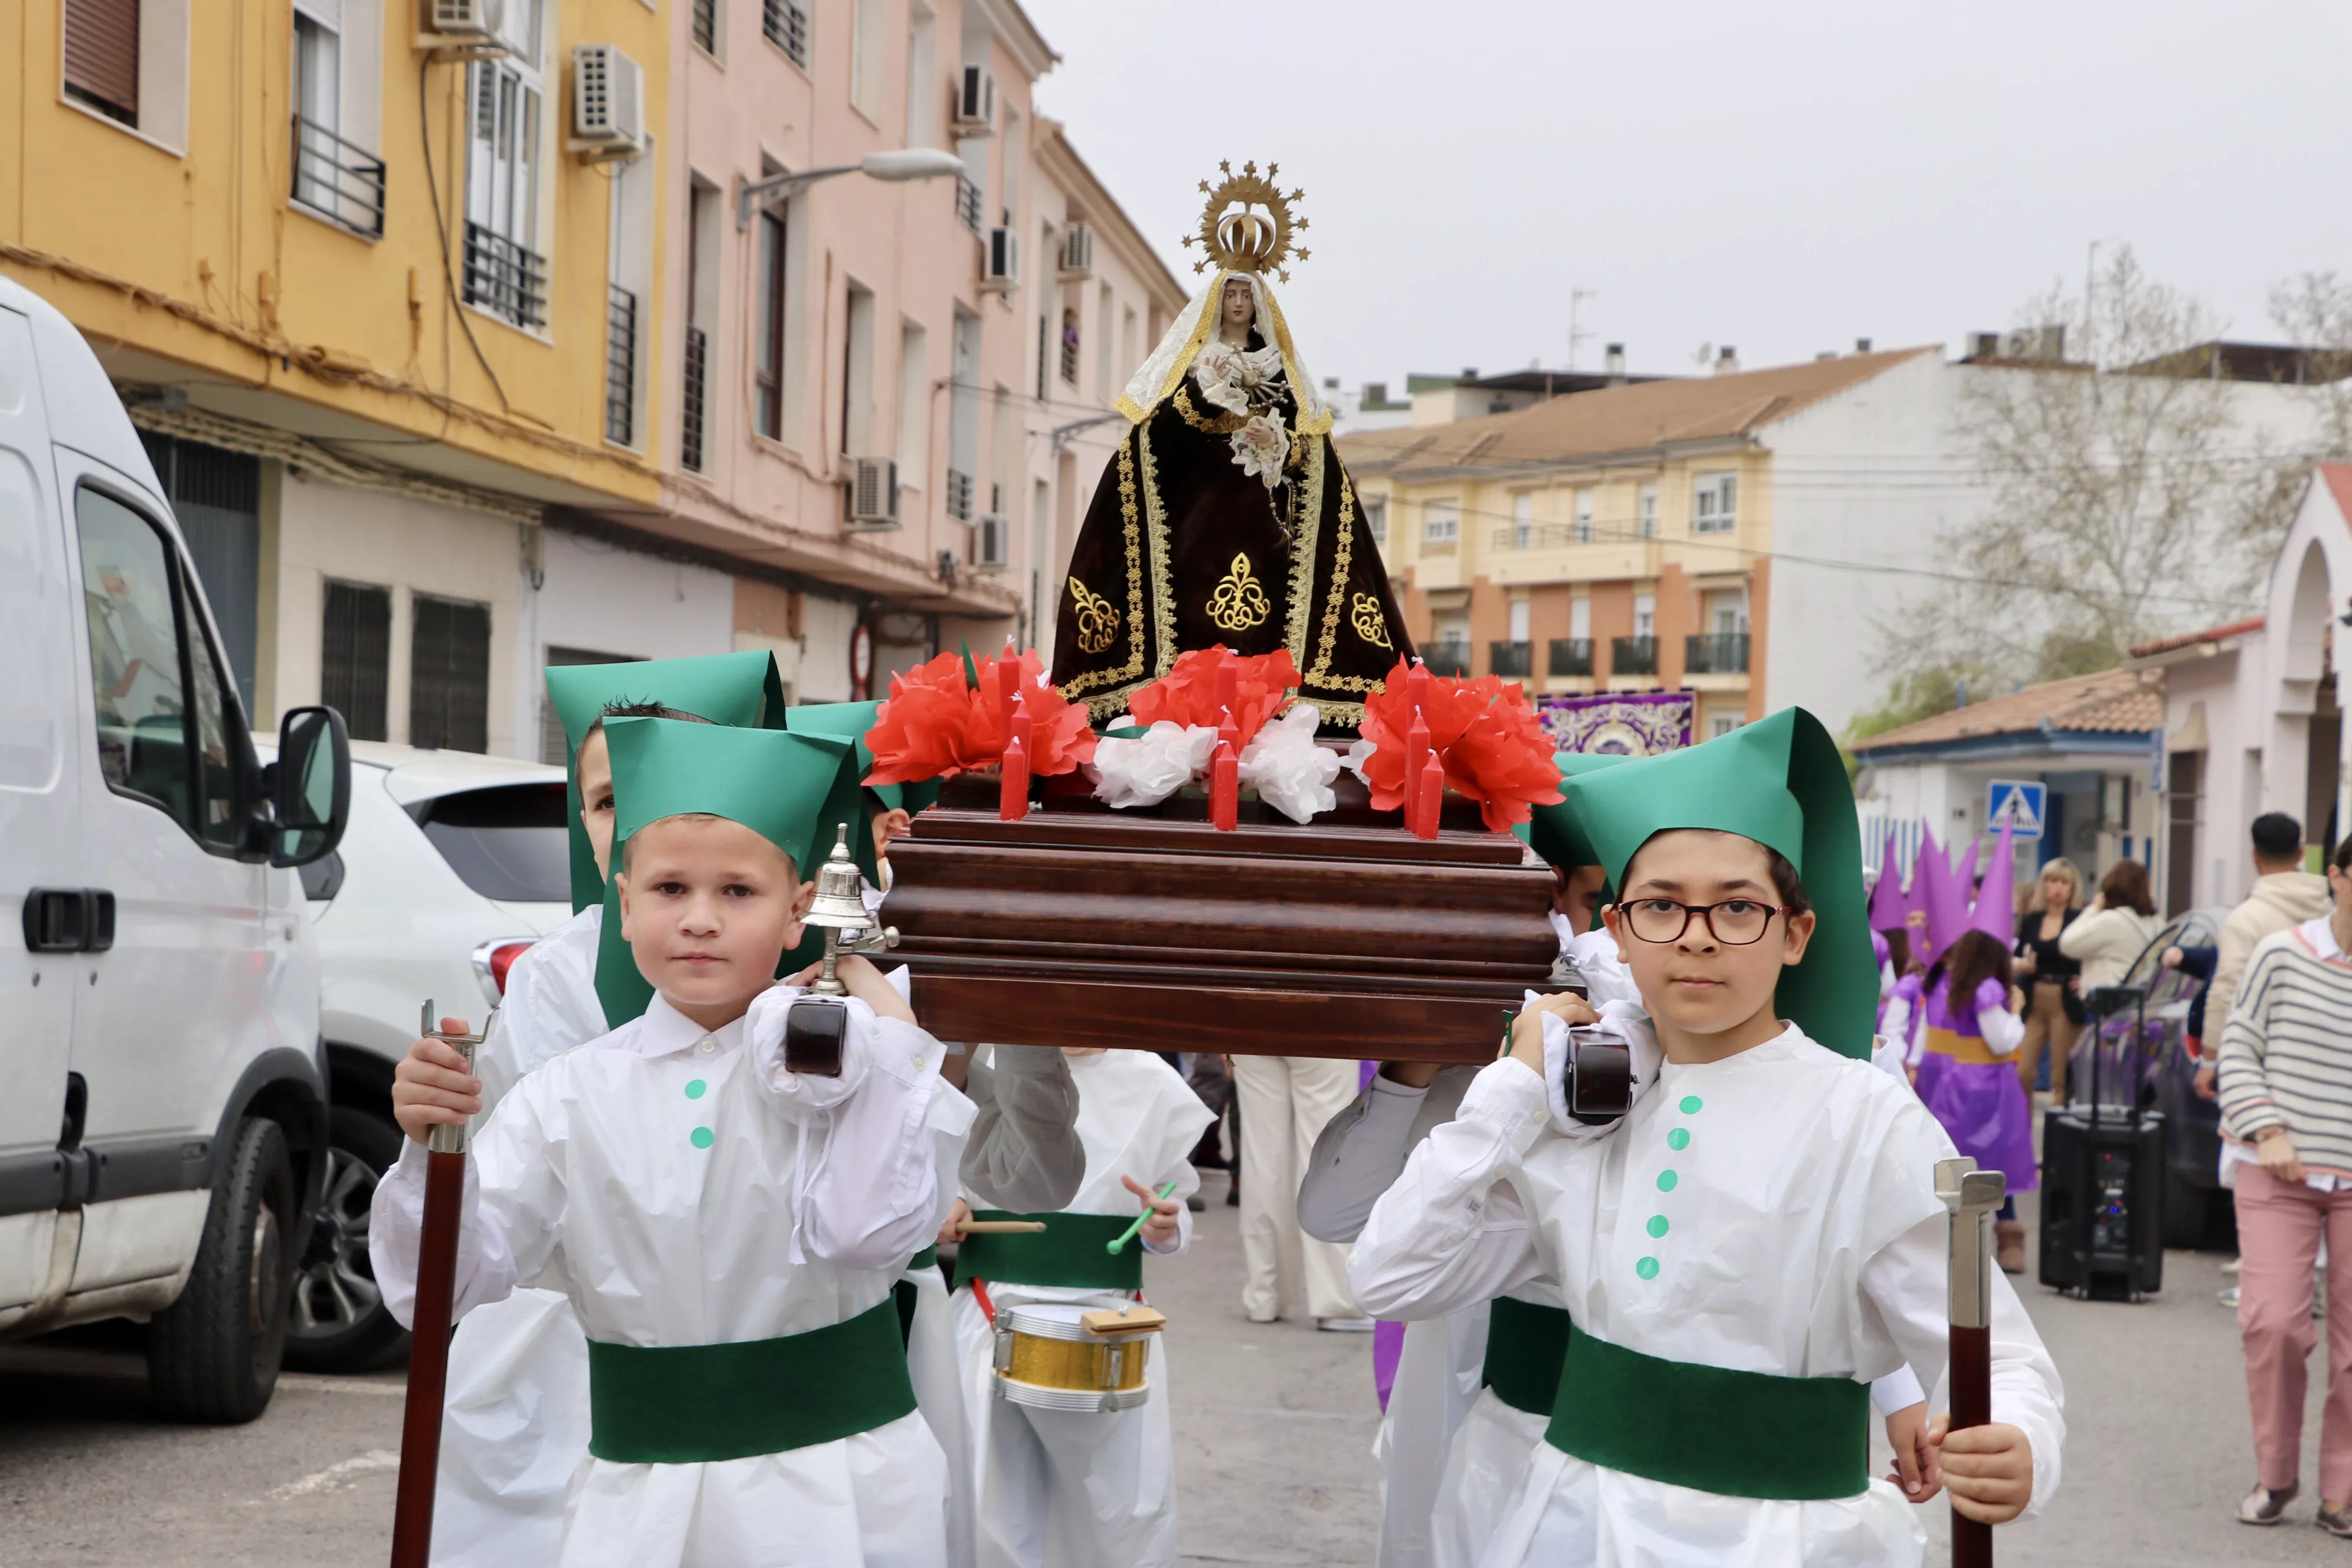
(1160, 374)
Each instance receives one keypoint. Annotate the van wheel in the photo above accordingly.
(339, 1322)
(212, 1354)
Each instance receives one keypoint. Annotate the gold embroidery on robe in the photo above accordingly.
(1223, 424)
(1364, 614)
(1239, 601)
(1134, 541)
(1097, 618)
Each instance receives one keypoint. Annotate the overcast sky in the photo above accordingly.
(1784, 178)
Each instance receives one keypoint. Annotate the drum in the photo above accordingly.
(1060, 1355)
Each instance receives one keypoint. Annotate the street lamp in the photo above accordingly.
(899, 163)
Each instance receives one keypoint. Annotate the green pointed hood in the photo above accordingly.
(738, 689)
(851, 721)
(782, 786)
(1552, 831)
(1781, 782)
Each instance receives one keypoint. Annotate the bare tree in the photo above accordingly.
(2116, 485)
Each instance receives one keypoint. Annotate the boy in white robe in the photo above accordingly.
(1066, 1489)
(729, 1230)
(1755, 1240)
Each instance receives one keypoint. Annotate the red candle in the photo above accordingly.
(1416, 752)
(1225, 783)
(1008, 682)
(1431, 797)
(1013, 788)
(1228, 682)
(1416, 684)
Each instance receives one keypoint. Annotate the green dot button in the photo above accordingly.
(696, 1089)
(1690, 1105)
(1665, 1181)
(703, 1138)
(1647, 1269)
(1657, 1224)
(1678, 1139)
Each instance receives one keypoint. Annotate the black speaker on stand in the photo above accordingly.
(2102, 1175)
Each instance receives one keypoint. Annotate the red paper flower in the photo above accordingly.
(935, 724)
(1187, 694)
(1487, 738)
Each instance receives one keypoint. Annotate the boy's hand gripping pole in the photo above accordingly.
(428, 1356)
(1972, 1195)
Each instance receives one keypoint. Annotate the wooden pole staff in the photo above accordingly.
(428, 1355)
(1972, 1195)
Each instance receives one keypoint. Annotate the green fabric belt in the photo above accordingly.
(904, 1291)
(1524, 1346)
(699, 1405)
(927, 1259)
(1071, 1252)
(1737, 1434)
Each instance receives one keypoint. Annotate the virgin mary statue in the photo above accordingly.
(1225, 516)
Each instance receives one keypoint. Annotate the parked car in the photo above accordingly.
(2196, 1207)
(452, 865)
(163, 1082)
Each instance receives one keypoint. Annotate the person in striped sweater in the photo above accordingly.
(2285, 1072)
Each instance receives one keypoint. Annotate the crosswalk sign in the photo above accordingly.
(2017, 803)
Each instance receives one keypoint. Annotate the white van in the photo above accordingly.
(162, 1085)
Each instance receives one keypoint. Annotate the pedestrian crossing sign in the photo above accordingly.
(2017, 803)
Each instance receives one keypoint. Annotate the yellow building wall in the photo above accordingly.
(201, 258)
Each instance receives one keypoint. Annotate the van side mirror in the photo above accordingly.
(310, 785)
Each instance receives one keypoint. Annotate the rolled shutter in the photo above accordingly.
(102, 55)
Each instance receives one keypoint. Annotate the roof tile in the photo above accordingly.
(2112, 700)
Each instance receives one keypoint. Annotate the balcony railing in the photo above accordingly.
(1571, 655)
(1510, 659)
(1447, 659)
(504, 279)
(787, 26)
(1541, 535)
(338, 180)
(1633, 656)
(690, 400)
(620, 367)
(1716, 653)
(958, 495)
(1070, 358)
(967, 203)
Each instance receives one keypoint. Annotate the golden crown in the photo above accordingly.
(1246, 224)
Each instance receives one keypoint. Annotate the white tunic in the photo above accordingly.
(1059, 1489)
(681, 1188)
(1802, 1237)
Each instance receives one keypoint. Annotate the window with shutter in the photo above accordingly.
(355, 657)
(449, 674)
(103, 56)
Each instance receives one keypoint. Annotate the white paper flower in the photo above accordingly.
(1287, 768)
(1357, 755)
(1261, 446)
(1146, 769)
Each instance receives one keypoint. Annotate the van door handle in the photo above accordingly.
(69, 919)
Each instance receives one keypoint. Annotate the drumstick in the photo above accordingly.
(1115, 1247)
(998, 1226)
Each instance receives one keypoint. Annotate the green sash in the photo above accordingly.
(1736, 1434)
(699, 1405)
(1524, 1346)
(1071, 1252)
(904, 1291)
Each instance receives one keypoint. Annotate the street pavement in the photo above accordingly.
(1274, 1431)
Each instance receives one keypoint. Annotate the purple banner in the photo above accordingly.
(1620, 723)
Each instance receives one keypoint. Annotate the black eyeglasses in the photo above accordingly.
(1735, 922)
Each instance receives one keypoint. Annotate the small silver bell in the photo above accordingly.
(840, 903)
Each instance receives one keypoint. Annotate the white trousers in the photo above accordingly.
(1285, 1102)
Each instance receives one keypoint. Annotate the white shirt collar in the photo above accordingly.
(665, 1031)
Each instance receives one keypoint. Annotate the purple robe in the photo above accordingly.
(1982, 1105)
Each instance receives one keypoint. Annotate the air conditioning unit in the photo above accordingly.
(992, 542)
(470, 25)
(608, 97)
(1077, 252)
(1003, 270)
(873, 494)
(975, 104)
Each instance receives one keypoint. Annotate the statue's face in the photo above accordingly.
(1240, 302)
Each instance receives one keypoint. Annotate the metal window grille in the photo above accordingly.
(338, 179)
(705, 24)
(1716, 653)
(449, 674)
(968, 204)
(620, 367)
(102, 56)
(1634, 656)
(355, 662)
(504, 279)
(1070, 347)
(1510, 659)
(787, 26)
(1570, 655)
(959, 495)
(689, 435)
(1447, 659)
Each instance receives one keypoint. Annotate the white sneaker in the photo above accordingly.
(2233, 1266)
(1345, 1325)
